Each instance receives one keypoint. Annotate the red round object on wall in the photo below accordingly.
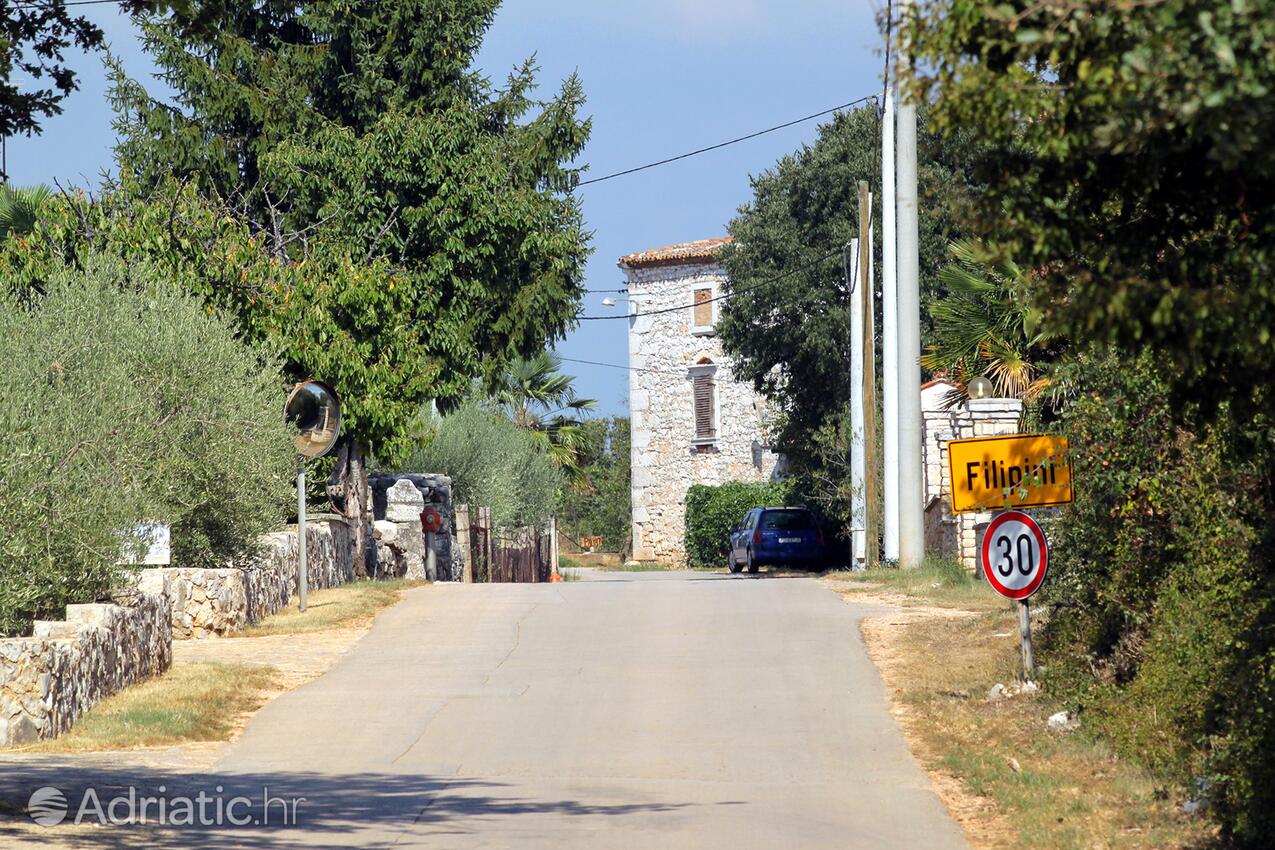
(431, 520)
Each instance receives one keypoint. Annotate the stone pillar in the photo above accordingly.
(951, 534)
(988, 417)
(461, 543)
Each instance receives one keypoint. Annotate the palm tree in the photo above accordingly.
(982, 326)
(537, 397)
(20, 207)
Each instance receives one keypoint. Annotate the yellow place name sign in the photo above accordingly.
(1017, 471)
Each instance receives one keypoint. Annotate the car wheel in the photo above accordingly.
(752, 565)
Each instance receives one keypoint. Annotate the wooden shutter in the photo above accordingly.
(703, 308)
(705, 429)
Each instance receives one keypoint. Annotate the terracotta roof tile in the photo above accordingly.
(701, 251)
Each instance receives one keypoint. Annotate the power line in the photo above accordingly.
(726, 143)
(618, 366)
(725, 295)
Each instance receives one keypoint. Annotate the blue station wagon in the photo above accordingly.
(775, 536)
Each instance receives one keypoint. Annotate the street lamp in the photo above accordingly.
(980, 387)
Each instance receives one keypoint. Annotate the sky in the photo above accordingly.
(662, 77)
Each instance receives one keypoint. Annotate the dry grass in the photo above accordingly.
(938, 583)
(1008, 779)
(191, 702)
(347, 605)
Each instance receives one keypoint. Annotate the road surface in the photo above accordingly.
(629, 710)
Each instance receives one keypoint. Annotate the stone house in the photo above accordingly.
(692, 422)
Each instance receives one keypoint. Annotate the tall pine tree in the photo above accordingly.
(357, 140)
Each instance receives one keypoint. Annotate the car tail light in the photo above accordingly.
(757, 536)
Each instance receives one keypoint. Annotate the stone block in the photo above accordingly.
(404, 503)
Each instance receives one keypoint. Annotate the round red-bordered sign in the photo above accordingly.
(1015, 555)
(431, 520)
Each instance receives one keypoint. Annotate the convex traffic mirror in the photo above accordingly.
(314, 410)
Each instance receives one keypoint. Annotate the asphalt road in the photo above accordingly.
(631, 710)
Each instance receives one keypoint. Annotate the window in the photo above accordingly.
(702, 320)
(788, 520)
(705, 402)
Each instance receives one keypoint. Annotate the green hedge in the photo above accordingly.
(712, 511)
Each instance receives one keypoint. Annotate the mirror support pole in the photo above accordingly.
(303, 580)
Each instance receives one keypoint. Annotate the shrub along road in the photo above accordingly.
(624, 711)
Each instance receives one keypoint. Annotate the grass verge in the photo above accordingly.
(1007, 777)
(191, 702)
(346, 605)
(937, 582)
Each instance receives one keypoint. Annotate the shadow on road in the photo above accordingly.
(328, 810)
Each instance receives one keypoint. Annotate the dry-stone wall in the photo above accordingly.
(207, 602)
(401, 546)
(51, 678)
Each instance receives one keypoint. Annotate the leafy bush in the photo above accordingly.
(1164, 627)
(492, 462)
(121, 401)
(711, 512)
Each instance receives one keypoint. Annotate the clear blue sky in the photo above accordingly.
(662, 77)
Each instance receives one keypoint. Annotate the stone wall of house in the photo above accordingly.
(51, 678)
(663, 348)
(217, 601)
(946, 532)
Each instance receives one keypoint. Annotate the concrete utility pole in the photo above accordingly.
(858, 517)
(889, 335)
(871, 465)
(911, 526)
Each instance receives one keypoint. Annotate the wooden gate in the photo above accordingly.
(520, 555)
(507, 554)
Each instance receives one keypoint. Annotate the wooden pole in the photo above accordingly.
(871, 453)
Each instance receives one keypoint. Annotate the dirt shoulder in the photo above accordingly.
(1006, 776)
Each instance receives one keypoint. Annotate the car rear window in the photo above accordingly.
(787, 520)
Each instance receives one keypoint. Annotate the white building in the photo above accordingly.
(692, 422)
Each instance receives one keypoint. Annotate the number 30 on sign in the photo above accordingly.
(1015, 555)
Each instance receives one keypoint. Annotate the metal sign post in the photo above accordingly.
(315, 411)
(303, 577)
(1015, 558)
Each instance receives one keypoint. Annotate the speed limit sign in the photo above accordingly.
(1015, 555)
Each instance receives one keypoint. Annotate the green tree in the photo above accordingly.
(601, 504)
(492, 463)
(540, 399)
(1142, 187)
(36, 36)
(1129, 155)
(417, 216)
(982, 327)
(123, 400)
(792, 339)
(20, 207)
